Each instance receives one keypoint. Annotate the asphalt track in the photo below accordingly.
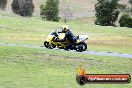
(85, 52)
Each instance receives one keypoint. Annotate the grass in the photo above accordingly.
(33, 31)
(41, 68)
(22, 67)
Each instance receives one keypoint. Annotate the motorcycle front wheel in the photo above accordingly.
(46, 44)
(50, 46)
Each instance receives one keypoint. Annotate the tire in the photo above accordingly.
(46, 44)
(84, 45)
(81, 47)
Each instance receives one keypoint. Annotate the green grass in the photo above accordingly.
(42, 68)
(22, 67)
(33, 31)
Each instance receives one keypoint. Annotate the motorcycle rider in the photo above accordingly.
(68, 36)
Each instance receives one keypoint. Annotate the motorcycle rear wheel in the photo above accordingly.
(81, 47)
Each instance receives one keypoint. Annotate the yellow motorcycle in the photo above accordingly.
(79, 46)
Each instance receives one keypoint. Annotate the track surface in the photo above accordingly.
(85, 52)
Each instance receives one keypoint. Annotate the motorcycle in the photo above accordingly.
(79, 46)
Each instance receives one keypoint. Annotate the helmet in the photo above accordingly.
(64, 28)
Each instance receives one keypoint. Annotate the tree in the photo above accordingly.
(130, 1)
(122, 8)
(3, 4)
(23, 7)
(106, 12)
(66, 11)
(125, 21)
(50, 11)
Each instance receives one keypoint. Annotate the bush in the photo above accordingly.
(3, 4)
(23, 7)
(50, 11)
(125, 21)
